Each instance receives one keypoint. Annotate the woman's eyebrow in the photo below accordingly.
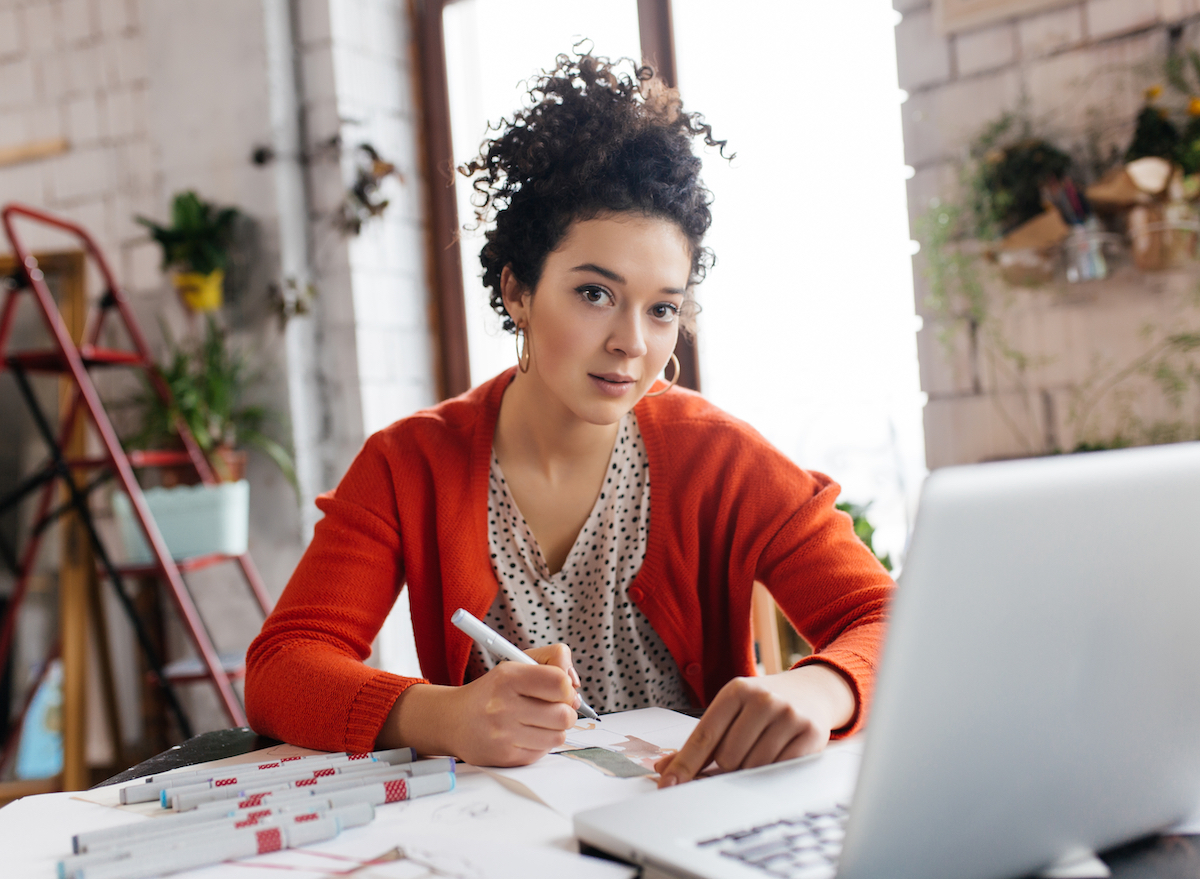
(613, 276)
(592, 267)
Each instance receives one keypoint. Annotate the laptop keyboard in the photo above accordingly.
(800, 847)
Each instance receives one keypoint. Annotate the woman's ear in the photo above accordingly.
(515, 296)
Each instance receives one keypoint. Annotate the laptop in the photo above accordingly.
(1038, 696)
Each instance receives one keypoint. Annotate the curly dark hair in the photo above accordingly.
(595, 141)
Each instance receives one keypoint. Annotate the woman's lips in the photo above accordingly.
(612, 384)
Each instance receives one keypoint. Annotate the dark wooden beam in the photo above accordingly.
(449, 317)
(658, 50)
(658, 38)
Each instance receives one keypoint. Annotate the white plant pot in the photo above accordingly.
(194, 520)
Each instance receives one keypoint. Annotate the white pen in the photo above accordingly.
(489, 639)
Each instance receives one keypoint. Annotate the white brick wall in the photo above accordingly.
(10, 34)
(1110, 18)
(1174, 10)
(79, 20)
(985, 49)
(16, 83)
(923, 58)
(1052, 32)
(1067, 69)
(939, 123)
(42, 31)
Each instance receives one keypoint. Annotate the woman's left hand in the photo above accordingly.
(756, 721)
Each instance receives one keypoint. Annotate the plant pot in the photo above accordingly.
(201, 292)
(194, 520)
(229, 465)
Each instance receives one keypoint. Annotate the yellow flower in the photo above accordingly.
(1194, 107)
(1153, 93)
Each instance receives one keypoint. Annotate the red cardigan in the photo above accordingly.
(727, 509)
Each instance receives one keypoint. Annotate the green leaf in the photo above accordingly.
(199, 237)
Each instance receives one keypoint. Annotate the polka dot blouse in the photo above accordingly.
(621, 661)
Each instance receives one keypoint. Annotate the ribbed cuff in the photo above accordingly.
(858, 673)
(370, 708)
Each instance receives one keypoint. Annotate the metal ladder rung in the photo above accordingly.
(193, 669)
(54, 361)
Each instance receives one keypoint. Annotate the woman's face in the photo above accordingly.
(603, 320)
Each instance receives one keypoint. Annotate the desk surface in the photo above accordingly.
(1163, 857)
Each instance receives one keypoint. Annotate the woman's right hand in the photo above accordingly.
(510, 716)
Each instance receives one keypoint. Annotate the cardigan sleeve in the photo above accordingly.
(306, 681)
(832, 589)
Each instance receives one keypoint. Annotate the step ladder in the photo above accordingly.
(81, 475)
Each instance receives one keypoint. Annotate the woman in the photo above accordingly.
(568, 503)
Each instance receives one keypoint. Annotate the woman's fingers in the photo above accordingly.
(550, 683)
(698, 750)
(536, 737)
(781, 741)
(558, 655)
(757, 721)
(552, 654)
(765, 725)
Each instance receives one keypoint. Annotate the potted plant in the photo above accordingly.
(208, 382)
(196, 248)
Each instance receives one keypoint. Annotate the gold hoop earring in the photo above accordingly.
(524, 354)
(674, 378)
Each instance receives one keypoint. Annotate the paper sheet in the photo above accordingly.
(35, 832)
(570, 785)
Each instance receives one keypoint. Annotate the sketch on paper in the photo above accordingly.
(611, 763)
(642, 737)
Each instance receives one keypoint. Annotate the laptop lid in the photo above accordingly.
(1037, 695)
(1039, 692)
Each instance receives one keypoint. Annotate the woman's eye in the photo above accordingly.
(665, 311)
(592, 294)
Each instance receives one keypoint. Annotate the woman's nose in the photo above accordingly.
(628, 336)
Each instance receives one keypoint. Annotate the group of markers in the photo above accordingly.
(239, 811)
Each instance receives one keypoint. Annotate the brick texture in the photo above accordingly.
(923, 58)
(10, 34)
(940, 123)
(985, 49)
(1110, 18)
(1052, 32)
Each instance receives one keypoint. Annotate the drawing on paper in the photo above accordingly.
(611, 763)
(628, 756)
(454, 812)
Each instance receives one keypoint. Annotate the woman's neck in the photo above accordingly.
(536, 432)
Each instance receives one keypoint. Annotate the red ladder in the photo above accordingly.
(74, 362)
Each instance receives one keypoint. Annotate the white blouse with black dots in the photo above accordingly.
(621, 661)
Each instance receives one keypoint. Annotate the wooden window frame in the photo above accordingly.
(447, 304)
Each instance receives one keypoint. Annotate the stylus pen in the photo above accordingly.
(489, 639)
